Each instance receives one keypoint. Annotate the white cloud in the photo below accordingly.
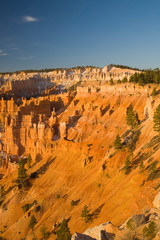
(3, 54)
(25, 58)
(14, 48)
(30, 19)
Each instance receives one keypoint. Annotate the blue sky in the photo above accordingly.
(37, 34)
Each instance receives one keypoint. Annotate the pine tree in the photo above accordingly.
(118, 142)
(63, 233)
(154, 92)
(132, 117)
(29, 160)
(1, 191)
(141, 166)
(127, 166)
(124, 80)
(86, 214)
(21, 171)
(156, 119)
(111, 81)
(32, 222)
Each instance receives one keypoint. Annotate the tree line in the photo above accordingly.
(145, 77)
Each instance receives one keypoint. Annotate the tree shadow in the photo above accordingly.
(96, 212)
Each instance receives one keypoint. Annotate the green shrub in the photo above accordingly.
(111, 81)
(130, 224)
(26, 207)
(119, 81)
(45, 234)
(58, 196)
(33, 222)
(124, 80)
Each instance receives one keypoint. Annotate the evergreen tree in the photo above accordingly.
(111, 81)
(141, 166)
(132, 117)
(153, 168)
(1, 191)
(86, 214)
(21, 171)
(45, 234)
(156, 119)
(63, 233)
(29, 160)
(154, 92)
(127, 166)
(124, 80)
(32, 222)
(118, 142)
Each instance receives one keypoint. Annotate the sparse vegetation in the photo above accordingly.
(123, 66)
(156, 119)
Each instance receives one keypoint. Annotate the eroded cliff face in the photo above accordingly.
(70, 139)
(31, 126)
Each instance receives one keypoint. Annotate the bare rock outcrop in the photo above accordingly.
(156, 201)
(104, 231)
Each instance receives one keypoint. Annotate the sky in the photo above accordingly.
(38, 34)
